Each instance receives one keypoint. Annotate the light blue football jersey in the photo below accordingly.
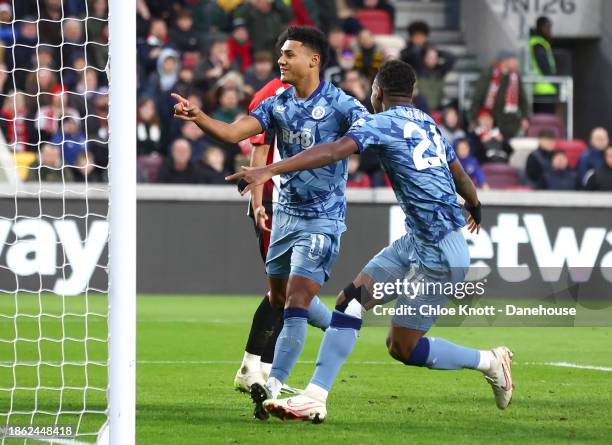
(300, 124)
(415, 156)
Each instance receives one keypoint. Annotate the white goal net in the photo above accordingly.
(54, 224)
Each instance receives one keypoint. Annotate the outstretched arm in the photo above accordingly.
(232, 133)
(465, 188)
(316, 157)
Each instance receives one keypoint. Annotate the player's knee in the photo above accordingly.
(298, 299)
(398, 350)
(277, 300)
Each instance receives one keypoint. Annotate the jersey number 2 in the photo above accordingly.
(420, 162)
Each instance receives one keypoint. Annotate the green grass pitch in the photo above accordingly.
(189, 349)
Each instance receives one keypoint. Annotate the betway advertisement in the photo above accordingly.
(538, 258)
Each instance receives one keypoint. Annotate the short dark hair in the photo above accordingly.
(396, 78)
(547, 133)
(418, 27)
(313, 38)
(541, 21)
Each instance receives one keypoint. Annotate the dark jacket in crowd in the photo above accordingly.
(601, 179)
(169, 175)
(558, 180)
(538, 163)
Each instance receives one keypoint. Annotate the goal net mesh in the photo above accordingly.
(54, 216)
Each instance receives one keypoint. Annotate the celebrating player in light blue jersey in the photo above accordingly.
(425, 175)
(309, 218)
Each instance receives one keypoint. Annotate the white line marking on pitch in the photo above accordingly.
(383, 363)
(312, 362)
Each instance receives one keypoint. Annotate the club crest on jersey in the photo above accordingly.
(318, 112)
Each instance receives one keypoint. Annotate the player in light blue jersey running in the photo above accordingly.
(425, 175)
(309, 217)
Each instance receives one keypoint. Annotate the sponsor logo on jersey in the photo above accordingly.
(304, 138)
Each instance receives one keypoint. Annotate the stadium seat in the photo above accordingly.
(150, 165)
(544, 121)
(522, 148)
(501, 176)
(376, 20)
(573, 148)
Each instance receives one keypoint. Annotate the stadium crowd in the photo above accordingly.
(219, 53)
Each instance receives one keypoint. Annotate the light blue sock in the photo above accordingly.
(438, 353)
(290, 343)
(337, 344)
(319, 315)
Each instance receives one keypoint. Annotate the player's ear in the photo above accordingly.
(315, 60)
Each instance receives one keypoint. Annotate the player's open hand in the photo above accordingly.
(261, 218)
(252, 176)
(472, 226)
(184, 109)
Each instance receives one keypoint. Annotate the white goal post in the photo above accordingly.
(122, 249)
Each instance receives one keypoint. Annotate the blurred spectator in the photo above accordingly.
(500, 91)
(592, 158)
(348, 18)
(470, 164)
(97, 130)
(7, 35)
(71, 140)
(358, 87)
(24, 51)
(542, 62)
(435, 66)
(488, 142)
(198, 141)
(239, 45)
(50, 167)
(85, 170)
(261, 72)
(182, 35)
(418, 36)
(14, 123)
(559, 176)
(539, 161)
(450, 126)
(50, 25)
(228, 109)
(305, 13)
(50, 116)
(213, 166)
(74, 74)
(368, 57)
(601, 179)
(265, 20)
(166, 77)
(178, 169)
(150, 50)
(43, 81)
(214, 16)
(375, 4)
(214, 66)
(148, 130)
(356, 178)
(73, 40)
(341, 56)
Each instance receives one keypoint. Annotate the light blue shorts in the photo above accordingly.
(447, 262)
(306, 247)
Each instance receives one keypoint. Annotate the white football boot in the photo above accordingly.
(300, 407)
(246, 377)
(499, 376)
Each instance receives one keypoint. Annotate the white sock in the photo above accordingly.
(316, 392)
(275, 386)
(486, 358)
(265, 368)
(250, 362)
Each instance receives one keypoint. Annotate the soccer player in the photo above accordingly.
(309, 217)
(425, 175)
(267, 320)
